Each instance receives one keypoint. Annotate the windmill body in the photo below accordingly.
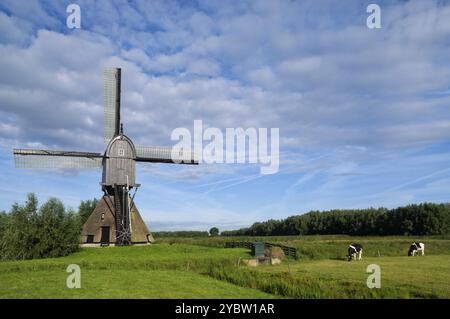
(115, 220)
(119, 167)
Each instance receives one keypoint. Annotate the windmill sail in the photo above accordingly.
(165, 155)
(29, 158)
(113, 221)
(111, 102)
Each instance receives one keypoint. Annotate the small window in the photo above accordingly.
(103, 216)
(90, 239)
(121, 152)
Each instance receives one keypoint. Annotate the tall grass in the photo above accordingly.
(308, 285)
(287, 285)
(318, 274)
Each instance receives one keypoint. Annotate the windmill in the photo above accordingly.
(116, 210)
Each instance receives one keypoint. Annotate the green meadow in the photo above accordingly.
(203, 268)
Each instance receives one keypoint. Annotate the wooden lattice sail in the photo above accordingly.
(116, 219)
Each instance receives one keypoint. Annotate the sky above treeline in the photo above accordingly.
(363, 114)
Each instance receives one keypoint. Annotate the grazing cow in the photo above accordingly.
(353, 250)
(415, 248)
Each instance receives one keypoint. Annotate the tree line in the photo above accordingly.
(418, 219)
(51, 230)
(31, 231)
(214, 231)
(181, 233)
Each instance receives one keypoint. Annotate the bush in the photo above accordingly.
(29, 232)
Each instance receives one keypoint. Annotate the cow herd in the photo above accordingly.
(355, 250)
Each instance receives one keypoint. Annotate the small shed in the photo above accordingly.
(258, 249)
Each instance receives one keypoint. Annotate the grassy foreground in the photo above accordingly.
(202, 269)
(158, 271)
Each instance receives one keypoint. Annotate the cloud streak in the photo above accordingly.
(317, 72)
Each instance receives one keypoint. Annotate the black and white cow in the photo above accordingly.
(415, 248)
(353, 250)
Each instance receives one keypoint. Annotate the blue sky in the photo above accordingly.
(364, 114)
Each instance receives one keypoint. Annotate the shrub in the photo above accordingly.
(32, 232)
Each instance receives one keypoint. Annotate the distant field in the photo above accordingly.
(332, 246)
(203, 269)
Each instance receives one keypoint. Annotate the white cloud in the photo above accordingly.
(316, 72)
(328, 105)
(14, 30)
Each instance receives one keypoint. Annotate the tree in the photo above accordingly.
(86, 208)
(423, 219)
(20, 231)
(214, 231)
(32, 232)
(59, 231)
(3, 222)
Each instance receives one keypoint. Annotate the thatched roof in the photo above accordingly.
(102, 216)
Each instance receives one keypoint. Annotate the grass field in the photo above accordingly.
(202, 268)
